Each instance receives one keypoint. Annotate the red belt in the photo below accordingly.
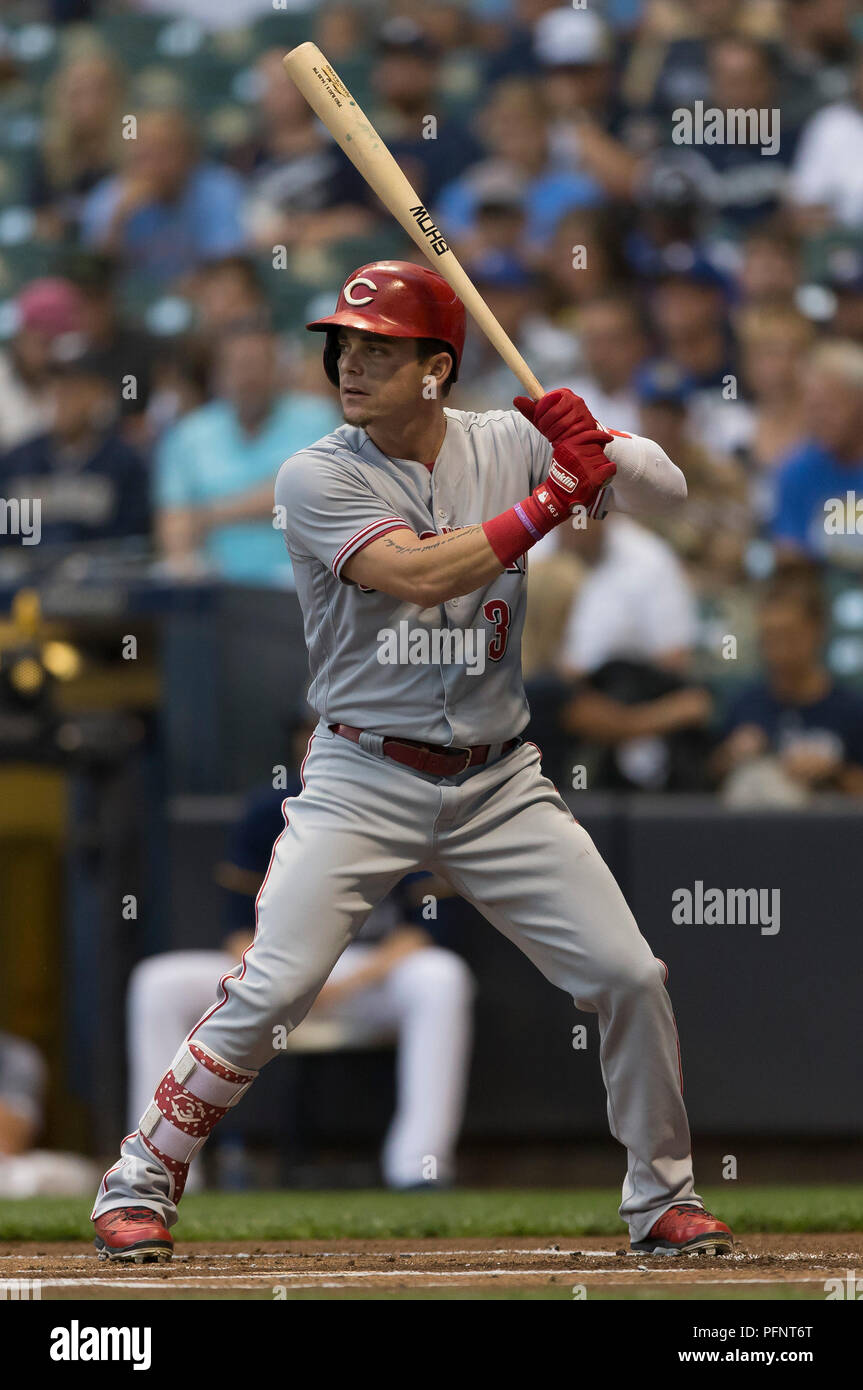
(429, 757)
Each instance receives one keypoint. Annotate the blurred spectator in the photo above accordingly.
(451, 29)
(670, 215)
(739, 179)
(516, 135)
(574, 49)
(690, 311)
(91, 484)
(772, 265)
(81, 140)
(224, 293)
(844, 280)
(796, 731)
(24, 1170)
(710, 533)
(827, 176)
(45, 310)
(555, 578)
(614, 342)
(500, 218)
(216, 468)
(128, 353)
(584, 261)
(745, 182)
(514, 295)
(672, 70)
(303, 191)
(774, 342)
(635, 603)
(22, 1088)
(817, 51)
(405, 77)
(631, 726)
(629, 721)
(505, 31)
(340, 29)
(181, 383)
(168, 210)
(819, 485)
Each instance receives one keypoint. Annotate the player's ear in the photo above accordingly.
(441, 367)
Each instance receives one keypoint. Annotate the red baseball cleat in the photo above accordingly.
(136, 1234)
(686, 1228)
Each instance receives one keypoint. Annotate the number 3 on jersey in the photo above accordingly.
(497, 612)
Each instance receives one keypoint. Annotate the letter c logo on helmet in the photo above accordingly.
(349, 288)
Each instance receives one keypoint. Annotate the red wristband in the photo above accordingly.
(516, 530)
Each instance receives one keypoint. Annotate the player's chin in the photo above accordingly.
(357, 407)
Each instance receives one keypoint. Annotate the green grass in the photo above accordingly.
(302, 1215)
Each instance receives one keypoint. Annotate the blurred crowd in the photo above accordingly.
(187, 213)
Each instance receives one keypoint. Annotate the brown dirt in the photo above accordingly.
(230, 1268)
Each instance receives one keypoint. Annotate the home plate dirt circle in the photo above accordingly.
(271, 1269)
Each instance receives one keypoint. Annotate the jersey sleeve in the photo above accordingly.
(328, 512)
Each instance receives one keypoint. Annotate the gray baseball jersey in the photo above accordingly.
(384, 664)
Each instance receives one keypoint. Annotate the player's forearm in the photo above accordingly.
(646, 480)
(426, 572)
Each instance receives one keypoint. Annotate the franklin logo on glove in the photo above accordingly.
(562, 477)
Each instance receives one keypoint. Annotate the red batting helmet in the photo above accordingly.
(399, 300)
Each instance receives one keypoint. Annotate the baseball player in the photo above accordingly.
(408, 528)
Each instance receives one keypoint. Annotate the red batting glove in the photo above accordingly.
(577, 477)
(561, 415)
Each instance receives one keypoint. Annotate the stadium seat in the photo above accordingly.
(15, 167)
(132, 38)
(27, 261)
(284, 29)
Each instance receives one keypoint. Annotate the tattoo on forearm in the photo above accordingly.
(451, 538)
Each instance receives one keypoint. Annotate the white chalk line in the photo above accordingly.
(314, 1278)
(739, 1256)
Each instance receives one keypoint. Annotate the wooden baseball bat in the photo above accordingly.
(331, 101)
